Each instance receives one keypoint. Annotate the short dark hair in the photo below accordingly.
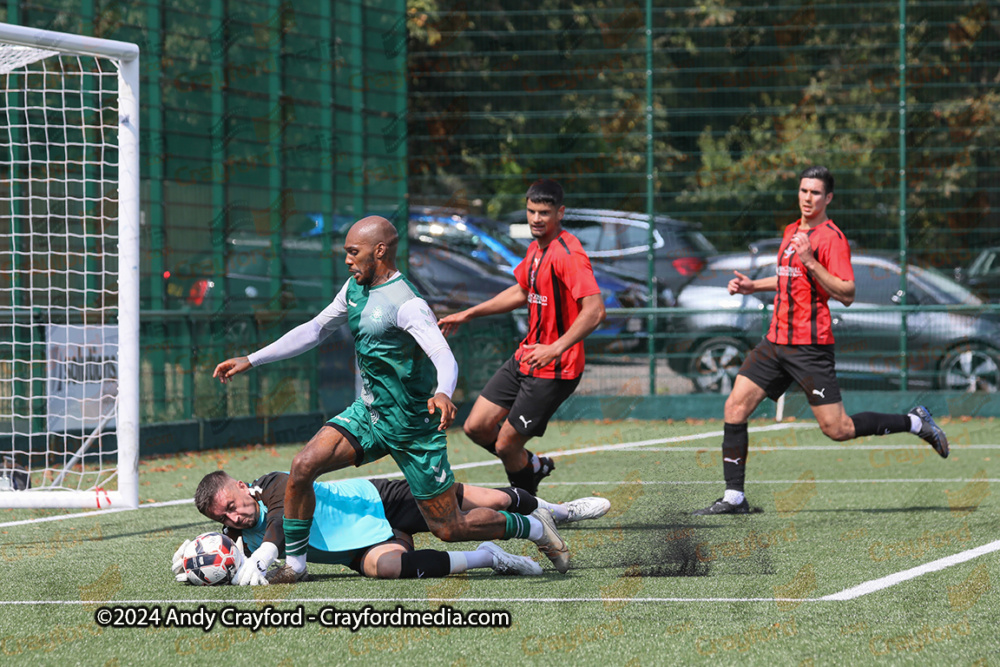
(208, 488)
(545, 191)
(823, 174)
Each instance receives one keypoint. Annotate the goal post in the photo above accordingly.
(69, 266)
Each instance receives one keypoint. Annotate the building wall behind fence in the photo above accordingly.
(271, 123)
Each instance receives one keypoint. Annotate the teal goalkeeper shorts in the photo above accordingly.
(423, 459)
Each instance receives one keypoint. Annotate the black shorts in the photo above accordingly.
(774, 367)
(531, 401)
(401, 510)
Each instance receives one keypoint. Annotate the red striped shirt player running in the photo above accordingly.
(556, 283)
(814, 265)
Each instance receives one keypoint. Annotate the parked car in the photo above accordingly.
(983, 275)
(448, 280)
(620, 239)
(481, 239)
(958, 351)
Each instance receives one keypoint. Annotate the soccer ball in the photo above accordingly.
(210, 559)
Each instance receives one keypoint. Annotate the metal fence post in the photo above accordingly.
(650, 185)
(903, 366)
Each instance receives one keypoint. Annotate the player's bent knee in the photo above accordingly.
(837, 432)
(505, 447)
(473, 431)
(443, 532)
(304, 468)
(450, 531)
(388, 567)
(735, 411)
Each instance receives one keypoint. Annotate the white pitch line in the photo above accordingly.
(815, 448)
(373, 601)
(621, 446)
(461, 466)
(63, 517)
(760, 481)
(914, 572)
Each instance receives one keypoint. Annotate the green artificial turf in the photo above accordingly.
(649, 585)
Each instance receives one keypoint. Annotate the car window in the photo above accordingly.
(610, 238)
(984, 264)
(249, 261)
(874, 284)
(713, 278)
(626, 236)
(700, 242)
(435, 265)
(942, 289)
(589, 235)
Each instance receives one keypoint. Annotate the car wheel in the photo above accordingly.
(970, 368)
(714, 364)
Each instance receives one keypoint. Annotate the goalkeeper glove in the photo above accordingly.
(256, 564)
(178, 563)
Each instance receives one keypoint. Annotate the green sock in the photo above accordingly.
(517, 526)
(296, 536)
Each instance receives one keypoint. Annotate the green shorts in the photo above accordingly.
(423, 459)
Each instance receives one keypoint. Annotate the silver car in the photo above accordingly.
(953, 340)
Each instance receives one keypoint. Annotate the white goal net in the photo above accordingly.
(69, 256)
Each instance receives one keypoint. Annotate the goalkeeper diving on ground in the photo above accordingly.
(366, 525)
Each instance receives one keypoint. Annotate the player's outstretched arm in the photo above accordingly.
(230, 367)
(742, 284)
(513, 297)
(301, 339)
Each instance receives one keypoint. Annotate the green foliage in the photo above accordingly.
(744, 96)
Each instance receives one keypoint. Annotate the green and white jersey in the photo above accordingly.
(394, 332)
(403, 357)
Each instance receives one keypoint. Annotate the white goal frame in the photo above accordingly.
(125, 57)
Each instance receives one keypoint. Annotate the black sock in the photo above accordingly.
(521, 502)
(735, 445)
(523, 478)
(423, 564)
(879, 423)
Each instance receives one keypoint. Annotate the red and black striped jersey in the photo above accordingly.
(801, 314)
(555, 279)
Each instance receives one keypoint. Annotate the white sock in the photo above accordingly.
(476, 559)
(733, 497)
(536, 465)
(915, 424)
(297, 563)
(537, 529)
(459, 562)
(559, 512)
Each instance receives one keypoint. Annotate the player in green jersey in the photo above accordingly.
(408, 375)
